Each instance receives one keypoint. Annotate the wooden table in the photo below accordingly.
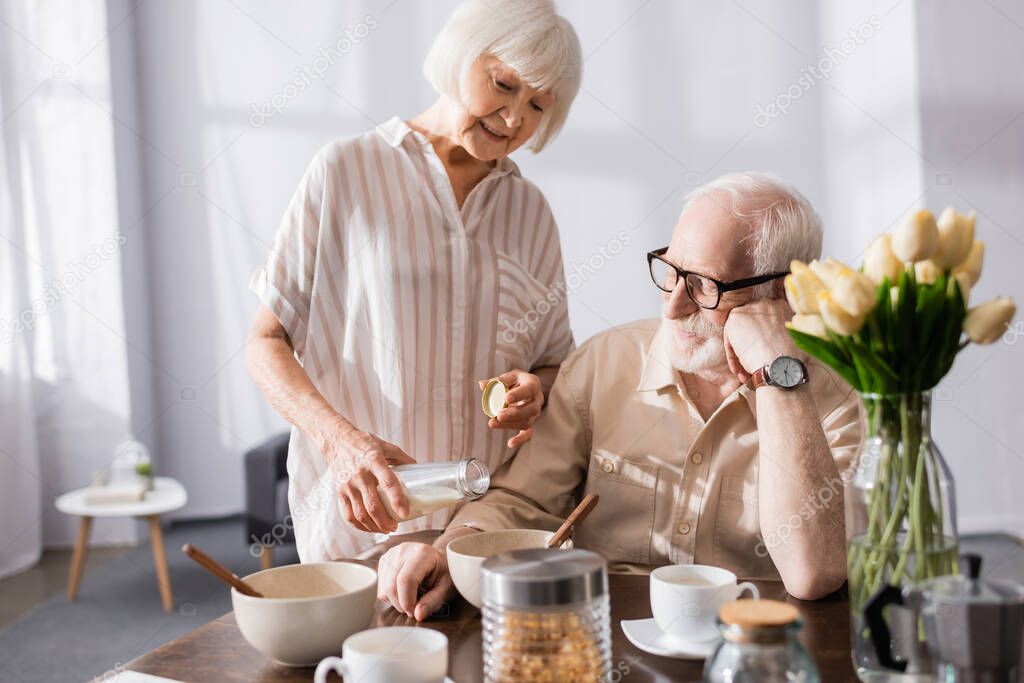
(167, 495)
(216, 652)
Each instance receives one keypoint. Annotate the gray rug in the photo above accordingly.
(118, 615)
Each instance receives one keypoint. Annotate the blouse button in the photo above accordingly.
(684, 528)
(608, 466)
(697, 458)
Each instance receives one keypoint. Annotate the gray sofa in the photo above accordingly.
(267, 518)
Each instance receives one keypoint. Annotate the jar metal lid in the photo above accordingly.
(493, 399)
(543, 577)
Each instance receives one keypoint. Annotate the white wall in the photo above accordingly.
(927, 114)
(972, 155)
(669, 99)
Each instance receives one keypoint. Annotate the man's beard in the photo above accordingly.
(701, 354)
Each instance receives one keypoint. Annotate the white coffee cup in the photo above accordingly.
(685, 598)
(394, 654)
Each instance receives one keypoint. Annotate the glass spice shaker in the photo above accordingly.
(759, 644)
(431, 486)
(546, 617)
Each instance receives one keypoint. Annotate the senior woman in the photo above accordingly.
(413, 262)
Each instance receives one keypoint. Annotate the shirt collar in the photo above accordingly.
(395, 131)
(658, 372)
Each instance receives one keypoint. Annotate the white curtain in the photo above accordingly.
(20, 479)
(63, 359)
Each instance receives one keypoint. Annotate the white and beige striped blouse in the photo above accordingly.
(397, 302)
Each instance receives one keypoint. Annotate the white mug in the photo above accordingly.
(685, 598)
(393, 654)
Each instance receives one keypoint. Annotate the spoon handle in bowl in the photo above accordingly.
(574, 518)
(220, 571)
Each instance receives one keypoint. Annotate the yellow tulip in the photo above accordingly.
(956, 236)
(827, 270)
(965, 286)
(971, 266)
(837, 318)
(987, 322)
(854, 291)
(927, 272)
(880, 262)
(802, 288)
(917, 238)
(808, 324)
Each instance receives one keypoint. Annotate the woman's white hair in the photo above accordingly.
(528, 36)
(783, 224)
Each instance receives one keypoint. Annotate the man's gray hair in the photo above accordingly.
(783, 224)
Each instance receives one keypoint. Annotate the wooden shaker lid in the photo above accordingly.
(758, 613)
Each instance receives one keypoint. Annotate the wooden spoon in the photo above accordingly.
(574, 518)
(220, 571)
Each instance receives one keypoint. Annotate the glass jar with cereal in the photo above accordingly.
(546, 617)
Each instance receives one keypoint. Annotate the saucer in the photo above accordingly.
(645, 634)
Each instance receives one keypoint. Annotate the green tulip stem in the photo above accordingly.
(905, 499)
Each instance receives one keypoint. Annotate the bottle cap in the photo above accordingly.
(757, 621)
(493, 399)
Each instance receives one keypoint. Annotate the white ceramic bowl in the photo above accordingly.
(466, 554)
(310, 609)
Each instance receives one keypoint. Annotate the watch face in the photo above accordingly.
(786, 372)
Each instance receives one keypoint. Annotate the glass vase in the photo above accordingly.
(901, 525)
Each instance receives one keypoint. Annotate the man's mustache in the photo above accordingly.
(698, 325)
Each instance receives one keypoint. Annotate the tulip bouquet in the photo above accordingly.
(892, 330)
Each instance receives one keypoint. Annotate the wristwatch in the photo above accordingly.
(784, 372)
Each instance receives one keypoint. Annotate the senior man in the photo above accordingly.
(710, 438)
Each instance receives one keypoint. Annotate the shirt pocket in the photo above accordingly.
(738, 544)
(620, 526)
(524, 303)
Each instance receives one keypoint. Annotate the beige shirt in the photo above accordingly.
(673, 488)
(397, 301)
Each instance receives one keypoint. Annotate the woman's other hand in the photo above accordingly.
(523, 404)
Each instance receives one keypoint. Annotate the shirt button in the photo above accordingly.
(684, 528)
(608, 466)
(697, 458)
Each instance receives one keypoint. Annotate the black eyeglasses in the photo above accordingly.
(704, 291)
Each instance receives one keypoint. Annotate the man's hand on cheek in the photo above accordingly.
(756, 334)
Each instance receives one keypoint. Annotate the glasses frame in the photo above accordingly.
(681, 275)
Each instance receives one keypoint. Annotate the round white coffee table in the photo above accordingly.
(167, 495)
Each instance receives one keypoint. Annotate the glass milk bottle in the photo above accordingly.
(434, 485)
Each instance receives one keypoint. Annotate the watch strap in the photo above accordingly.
(760, 377)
